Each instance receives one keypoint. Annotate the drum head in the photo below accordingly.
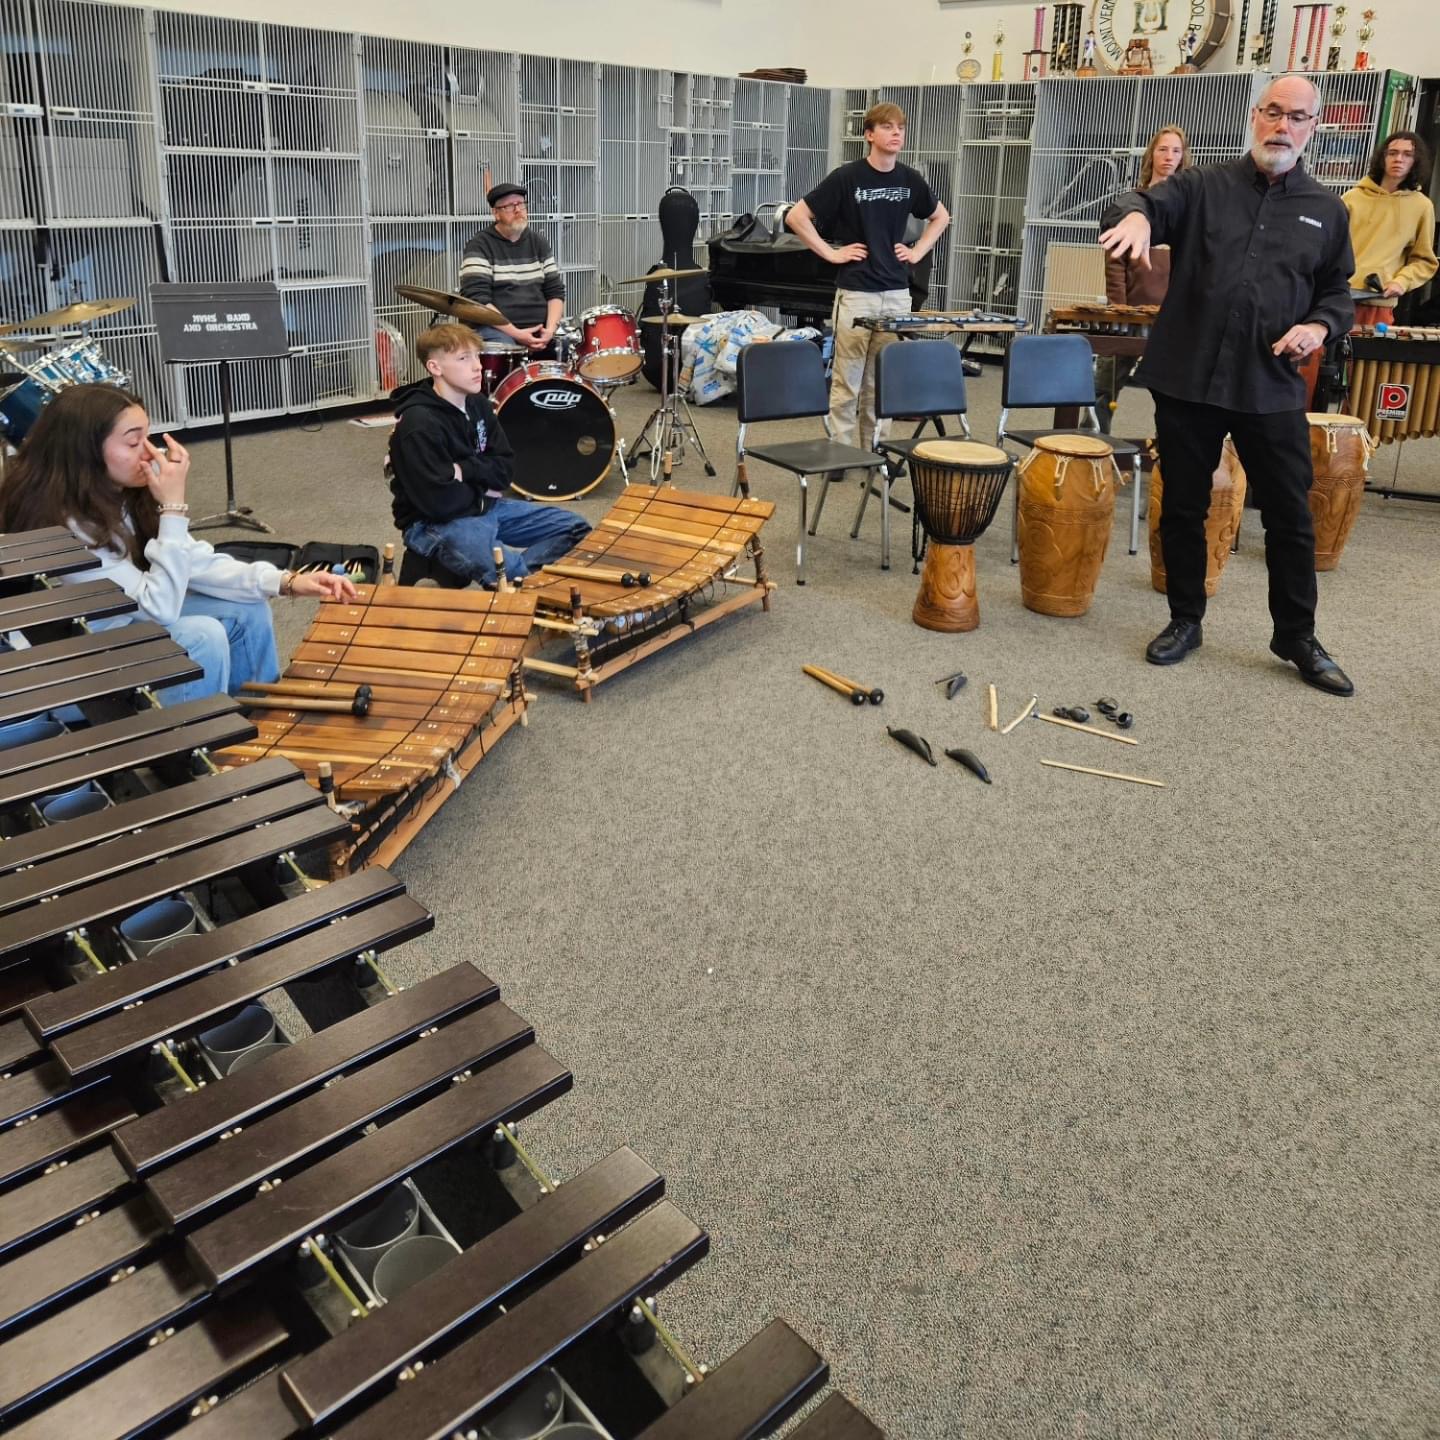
(1335, 422)
(1085, 447)
(959, 452)
(562, 431)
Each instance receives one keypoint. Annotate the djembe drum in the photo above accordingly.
(1222, 520)
(1067, 504)
(1340, 449)
(958, 485)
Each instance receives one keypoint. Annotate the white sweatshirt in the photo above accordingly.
(179, 562)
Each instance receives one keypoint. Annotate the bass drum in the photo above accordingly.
(562, 430)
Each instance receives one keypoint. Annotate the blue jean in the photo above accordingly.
(231, 640)
(530, 534)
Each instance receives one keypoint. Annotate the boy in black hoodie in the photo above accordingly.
(450, 466)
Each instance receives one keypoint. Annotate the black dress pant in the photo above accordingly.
(1275, 451)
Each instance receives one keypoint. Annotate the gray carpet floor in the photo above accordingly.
(1058, 1107)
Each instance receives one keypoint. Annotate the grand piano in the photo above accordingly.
(758, 262)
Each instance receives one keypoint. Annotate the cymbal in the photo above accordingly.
(661, 275)
(81, 313)
(677, 321)
(457, 305)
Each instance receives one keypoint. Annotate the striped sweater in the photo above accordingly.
(518, 277)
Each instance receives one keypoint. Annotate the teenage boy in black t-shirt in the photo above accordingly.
(864, 207)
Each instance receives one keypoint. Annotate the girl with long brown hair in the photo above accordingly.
(88, 463)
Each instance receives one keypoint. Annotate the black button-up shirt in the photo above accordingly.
(1249, 259)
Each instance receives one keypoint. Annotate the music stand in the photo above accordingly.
(210, 324)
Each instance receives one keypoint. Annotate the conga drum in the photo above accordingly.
(1340, 452)
(1067, 505)
(958, 485)
(1222, 520)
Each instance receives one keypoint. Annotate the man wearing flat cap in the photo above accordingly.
(510, 266)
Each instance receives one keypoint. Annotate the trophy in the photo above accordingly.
(1332, 58)
(1036, 59)
(1087, 56)
(969, 68)
(1065, 30)
(997, 65)
(1363, 35)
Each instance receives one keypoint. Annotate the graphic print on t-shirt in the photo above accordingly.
(856, 203)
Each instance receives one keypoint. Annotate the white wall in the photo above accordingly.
(840, 42)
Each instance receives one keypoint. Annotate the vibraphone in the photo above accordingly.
(661, 565)
(934, 324)
(197, 1237)
(1402, 355)
(443, 671)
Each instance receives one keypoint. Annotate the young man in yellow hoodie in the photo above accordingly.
(1392, 225)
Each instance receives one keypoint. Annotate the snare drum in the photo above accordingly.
(609, 351)
(561, 428)
(497, 361)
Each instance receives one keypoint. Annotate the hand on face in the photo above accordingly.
(166, 470)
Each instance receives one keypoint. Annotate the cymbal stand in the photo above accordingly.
(672, 422)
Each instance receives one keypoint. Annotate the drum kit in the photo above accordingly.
(557, 412)
(68, 361)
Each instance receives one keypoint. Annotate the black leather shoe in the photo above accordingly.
(1174, 642)
(1316, 668)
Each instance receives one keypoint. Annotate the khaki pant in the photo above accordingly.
(852, 379)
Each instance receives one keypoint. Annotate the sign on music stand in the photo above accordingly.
(210, 324)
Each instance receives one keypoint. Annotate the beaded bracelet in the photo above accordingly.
(173, 507)
(287, 582)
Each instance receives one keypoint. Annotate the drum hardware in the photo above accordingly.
(1104, 774)
(444, 302)
(971, 761)
(76, 362)
(661, 275)
(667, 429)
(911, 741)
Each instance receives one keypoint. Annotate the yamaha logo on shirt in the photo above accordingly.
(556, 399)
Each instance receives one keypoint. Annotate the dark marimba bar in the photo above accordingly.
(173, 1208)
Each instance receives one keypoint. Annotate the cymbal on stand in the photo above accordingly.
(677, 322)
(661, 275)
(457, 306)
(83, 312)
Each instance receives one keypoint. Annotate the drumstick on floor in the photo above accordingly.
(993, 697)
(870, 693)
(1023, 715)
(851, 693)
(1105, 774)
(1086, 729)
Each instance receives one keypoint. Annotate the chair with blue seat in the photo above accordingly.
(914, 379)
(786, 381)
(1044, 372)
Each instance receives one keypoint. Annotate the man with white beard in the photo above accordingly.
(1260, 271)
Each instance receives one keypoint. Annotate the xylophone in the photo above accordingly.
(661, 565)
(215, 1226)
(1113, 329)
(442, 668)
(1400, 355)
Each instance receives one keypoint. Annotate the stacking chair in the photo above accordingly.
(923, 379)
(786, 381)
(1057, 372)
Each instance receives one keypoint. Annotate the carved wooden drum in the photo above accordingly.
(1067, 504)
(958, 485)
(1222, 520)
(1340, 449)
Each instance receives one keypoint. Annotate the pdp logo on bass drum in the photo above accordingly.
(556, 399)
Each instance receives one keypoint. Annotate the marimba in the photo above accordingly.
(442, 668)
(198, 1228)
(1406, 356)
(661, 565)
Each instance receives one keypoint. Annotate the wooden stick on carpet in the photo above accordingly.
(1107, 774)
